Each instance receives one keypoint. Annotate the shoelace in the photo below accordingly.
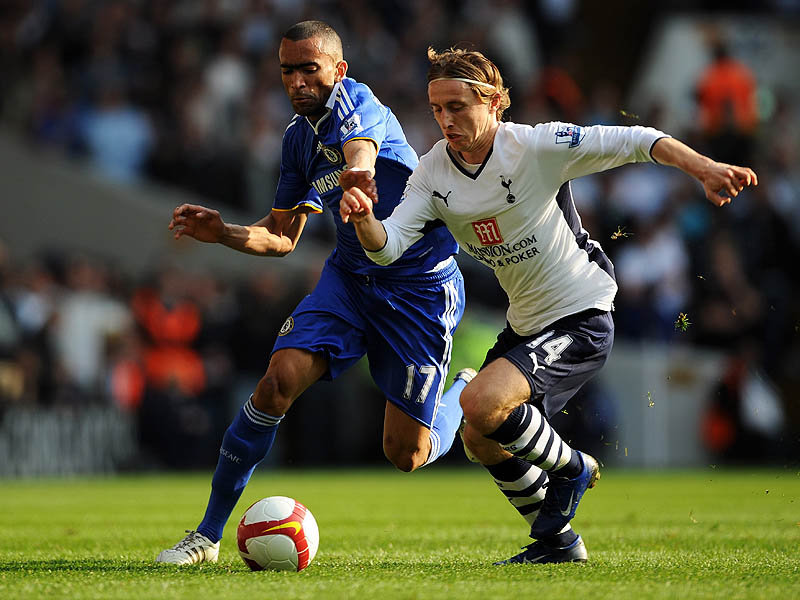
(186, 542)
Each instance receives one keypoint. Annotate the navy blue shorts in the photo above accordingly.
(558, 360)
(405, 327)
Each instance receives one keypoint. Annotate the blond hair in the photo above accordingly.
(474, 69)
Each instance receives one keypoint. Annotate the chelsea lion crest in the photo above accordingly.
(332, 155)
(287, 326)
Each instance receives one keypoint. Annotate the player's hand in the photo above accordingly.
(355, 205)
(723, 182)
(201, 223)
(362, 180)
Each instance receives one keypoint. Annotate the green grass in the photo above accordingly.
(434, 534)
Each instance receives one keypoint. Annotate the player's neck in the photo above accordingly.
(478, 154)
(316, 116)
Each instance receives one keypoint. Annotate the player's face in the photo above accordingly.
(466, 121)
(308, 75)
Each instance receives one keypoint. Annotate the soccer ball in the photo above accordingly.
(277, 534)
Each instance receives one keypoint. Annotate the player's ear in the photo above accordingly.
(341, 71)
(494, 103)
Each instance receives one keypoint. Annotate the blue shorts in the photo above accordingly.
(558, 360)
(404, 326)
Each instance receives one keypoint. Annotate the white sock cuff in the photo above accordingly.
(436, 446)
(258, 417)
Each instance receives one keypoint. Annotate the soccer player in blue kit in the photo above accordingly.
(402, 316)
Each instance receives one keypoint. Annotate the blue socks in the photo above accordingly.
(447, 421)
(245, 444)
(249, 438)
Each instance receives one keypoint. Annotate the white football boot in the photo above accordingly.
(467, 375)
(194, 548)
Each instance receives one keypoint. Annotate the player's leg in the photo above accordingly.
(406, 441)
(250, 436)
(409, 350)
(521, 429)
(313, 343)
(552, 366)
(524, 485)
(246, 442)
(495, 406)
(408, 444)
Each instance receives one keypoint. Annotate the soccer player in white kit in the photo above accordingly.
(502, 189)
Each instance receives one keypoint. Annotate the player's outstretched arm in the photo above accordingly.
(271, 236)
(720, 181)
(356, 207)
(360, 156)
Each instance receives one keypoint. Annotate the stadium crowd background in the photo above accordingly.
(187, 94)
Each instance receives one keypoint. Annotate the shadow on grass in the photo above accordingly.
(87, 565)
(331, 565)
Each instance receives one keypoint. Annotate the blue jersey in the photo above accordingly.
(312, 160)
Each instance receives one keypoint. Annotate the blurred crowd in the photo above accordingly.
(177, 351)
(188, 93)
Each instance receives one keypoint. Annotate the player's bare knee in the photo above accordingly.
(473, 403)
(473, 439)
(483, 409)
(469, 404)
(408, 461)
(406, 458)
(268, 397)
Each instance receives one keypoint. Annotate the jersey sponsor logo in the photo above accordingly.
(332, 155)
(287, 326)
(351, 125)
(327, 182)
(570, 134)
(507, 184)
(488, 232)
(443, 198)
(501, 254)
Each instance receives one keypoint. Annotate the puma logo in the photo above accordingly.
(536, 365)
(444, 198)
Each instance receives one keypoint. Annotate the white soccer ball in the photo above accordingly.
(278, 534)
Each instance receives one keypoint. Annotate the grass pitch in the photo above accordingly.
(434, 534)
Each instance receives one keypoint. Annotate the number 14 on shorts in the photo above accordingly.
(554, 348)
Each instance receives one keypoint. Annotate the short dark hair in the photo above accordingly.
(331, 42)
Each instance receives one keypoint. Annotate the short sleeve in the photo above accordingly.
(360, 115)
(293, 189)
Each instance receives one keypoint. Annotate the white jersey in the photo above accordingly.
(513, 215)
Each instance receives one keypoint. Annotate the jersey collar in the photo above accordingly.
(332, 98)
(329, 105)
(458, 165)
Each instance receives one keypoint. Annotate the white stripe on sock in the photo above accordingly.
(538, 496)
(258, 417)
(553, 454)
(566, 456)
(523, 482)
(527, 435)
(436, 445)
